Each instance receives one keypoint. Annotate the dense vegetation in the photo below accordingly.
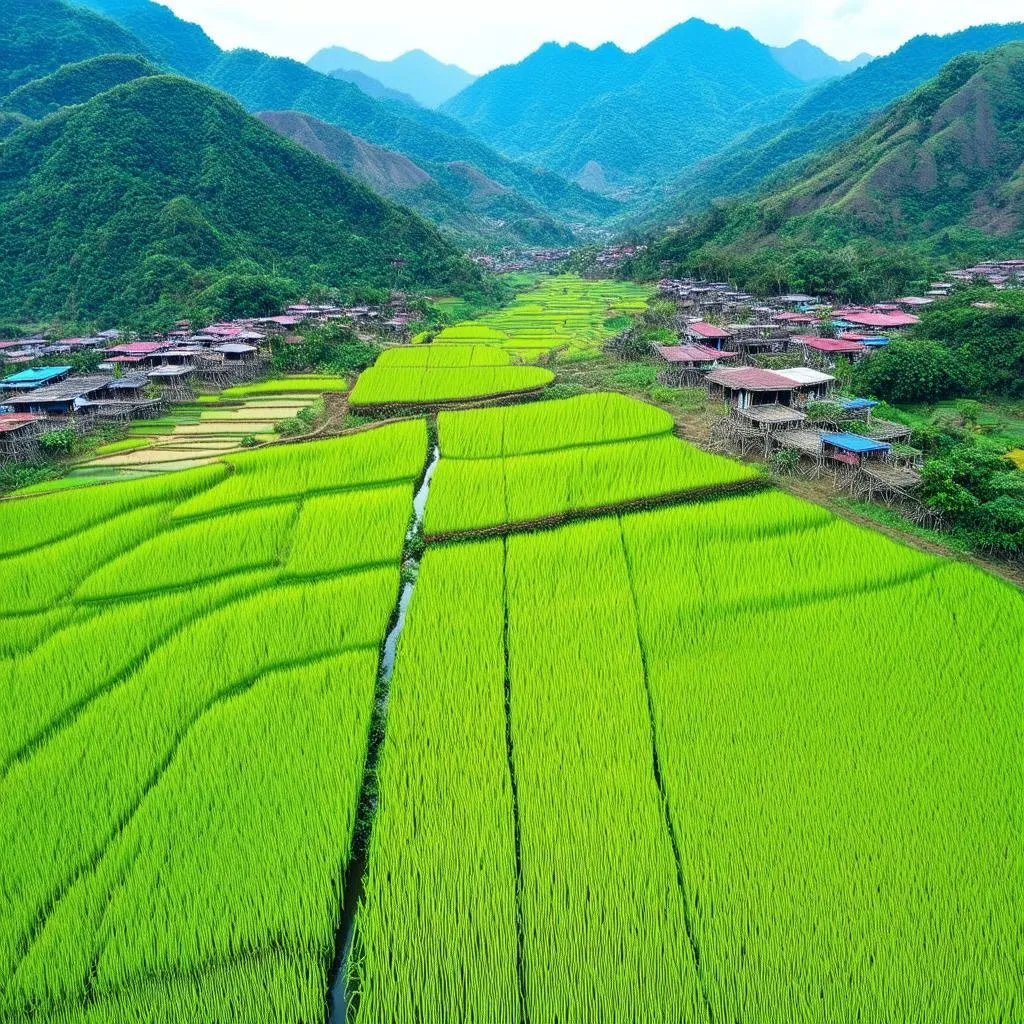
(936, 177)
(626, 118)
(75, 83)
(38, 36)
(161, 197)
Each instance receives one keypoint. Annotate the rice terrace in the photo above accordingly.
(537, 542)
(658, 741)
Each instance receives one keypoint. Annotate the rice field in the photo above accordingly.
(562, 458)
(727, 759)
(560, 312)
(427, 385)
(187, 708)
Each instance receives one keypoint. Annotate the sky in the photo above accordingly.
(482, 35)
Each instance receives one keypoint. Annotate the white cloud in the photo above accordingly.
(480, 36)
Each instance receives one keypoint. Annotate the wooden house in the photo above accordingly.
(687, 364)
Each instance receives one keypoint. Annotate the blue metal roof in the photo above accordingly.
(36, 376)
(858, 403)
(874, 342)
(855, 443)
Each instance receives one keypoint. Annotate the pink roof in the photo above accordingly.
(750, 378)
(691, 353)
(284, 321)
(881, 319)
(139, 348)
(703, 330)
(795, 318)
(853, 336)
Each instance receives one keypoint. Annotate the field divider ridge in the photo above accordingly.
(524, 1012)
(691, 496)
(659, 779)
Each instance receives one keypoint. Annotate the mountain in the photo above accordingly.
(38, 36)
(415, 73)
(832, 113)
(163, 196)
(475, 209)
(75, 83)
(372, 87)
(810, 63)
(174, 42)
(261, 82)
(636, 116)
(941, 172)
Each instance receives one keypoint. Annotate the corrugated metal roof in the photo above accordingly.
(691, 353)
(855, 443)
(750, 378)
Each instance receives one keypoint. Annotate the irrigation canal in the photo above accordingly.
(338, 995)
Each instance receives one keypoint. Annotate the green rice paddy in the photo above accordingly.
(664, 746)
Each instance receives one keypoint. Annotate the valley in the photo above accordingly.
(538, 543)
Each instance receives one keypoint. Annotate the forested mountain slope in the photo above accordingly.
(940, 173)
(475, 209)
(164, 196)
(75, 83)
(261, 82)
(636, 116)
(38, 36)
(831, 114)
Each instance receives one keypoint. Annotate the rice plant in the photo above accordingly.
(436, 931)
(840, 744)
(385, 386)
(548, 426)
(339, 532)
(440, 356)
(31, 522)
(604, 917)
(388, 454)
(248, 539)
(465, 493)
(197, 873)
(91, 776)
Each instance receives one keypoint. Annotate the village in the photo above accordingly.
(139, 378)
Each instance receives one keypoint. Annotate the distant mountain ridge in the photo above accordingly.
(810, 63)
(372, 87)
(417, 74)
(942, 170)
(637, 117)
(830, 114)
(261, 82)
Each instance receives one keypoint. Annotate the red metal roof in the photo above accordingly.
(750, 378)
(15, 420)
(691, 353)
(703, 330)
(139, 348)
(834, 345)
(795, 318)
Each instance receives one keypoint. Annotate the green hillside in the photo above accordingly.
(939, 175)
(831, 114)
(179, 44)
(476, 210)
(635, 116)
(163, 196)
(75, 83)
(261, 82)
(38, 36)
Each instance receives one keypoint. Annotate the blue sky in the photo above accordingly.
(481, 35)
